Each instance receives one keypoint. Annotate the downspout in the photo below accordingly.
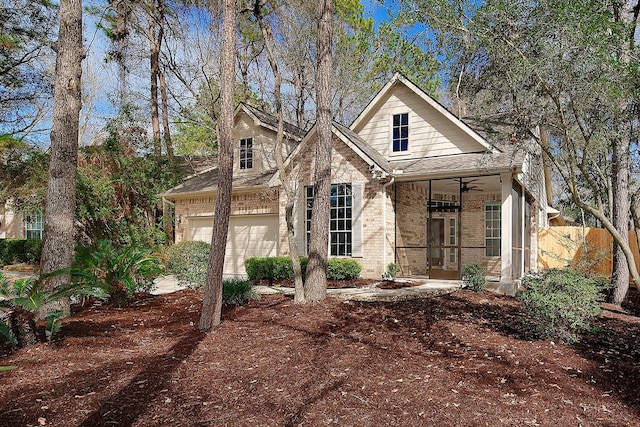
(384, 221)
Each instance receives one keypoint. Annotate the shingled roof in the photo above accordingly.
(271, 121)
(207, 182)
(363, 146)
(458, 164)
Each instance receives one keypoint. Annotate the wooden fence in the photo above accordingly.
(583, 248)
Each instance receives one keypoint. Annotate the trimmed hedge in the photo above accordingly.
(20, 250)
(343, 269)
(280, 268)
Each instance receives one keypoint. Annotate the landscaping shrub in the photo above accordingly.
(343, 269)
(268, 268)
(188, 262)
(391, 272)
(561, 304)
(123, 271)
(20, 250)
(237, 292)
(20, 301)
(474, 277)
(279, 268)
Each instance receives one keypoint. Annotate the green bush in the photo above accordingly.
(561, 304)
(474, 277)
(20, 300)
(188, 262)
(20, 250)
(280, 268)
(237, 292)
(343, 269)
(391, 272)
(123, 271)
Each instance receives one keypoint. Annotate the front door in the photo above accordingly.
(442, 249)
(436, 242)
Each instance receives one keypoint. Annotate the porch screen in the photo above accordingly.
(341, 219)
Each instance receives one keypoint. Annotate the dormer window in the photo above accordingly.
(400, 132)
(246, 153)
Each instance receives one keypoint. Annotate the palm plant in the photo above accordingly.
(21, 300)
(121, 272)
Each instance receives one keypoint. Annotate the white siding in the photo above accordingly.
(430, 132)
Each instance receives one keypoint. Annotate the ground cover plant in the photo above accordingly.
(460, 359)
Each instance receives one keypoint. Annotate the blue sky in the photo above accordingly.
(376, 11)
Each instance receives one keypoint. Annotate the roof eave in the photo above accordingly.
(425, 176)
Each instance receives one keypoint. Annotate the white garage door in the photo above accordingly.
(249, 236)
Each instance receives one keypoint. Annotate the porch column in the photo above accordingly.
(506, 251)
(523, 229)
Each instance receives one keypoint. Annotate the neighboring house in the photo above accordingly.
(16, 225)
(411, 184)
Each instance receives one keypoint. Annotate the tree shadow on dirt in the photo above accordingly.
(131, 401)
(613, 346)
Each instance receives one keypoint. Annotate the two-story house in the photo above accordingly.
(411, 184)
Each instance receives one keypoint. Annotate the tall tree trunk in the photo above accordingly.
(165, 114)
(120, 35)
(154, 61)
(288, 185)
(635, 214)
(316, 281)
(212, 304)
(57, 248)
(163, 84)
(299, 93)
(620, 276)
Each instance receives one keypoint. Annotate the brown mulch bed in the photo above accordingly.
(331, 284)
(456, 360)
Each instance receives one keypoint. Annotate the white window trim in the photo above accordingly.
(409, 145)
(351, 229)
(486, 239)
(240, 154)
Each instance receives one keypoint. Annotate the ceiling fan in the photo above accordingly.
(464, 185)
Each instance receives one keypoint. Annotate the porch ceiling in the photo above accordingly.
(475, 185)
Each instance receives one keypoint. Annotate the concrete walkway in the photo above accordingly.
(168, 284)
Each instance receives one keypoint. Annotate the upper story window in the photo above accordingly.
(246, 153)
(400, 132)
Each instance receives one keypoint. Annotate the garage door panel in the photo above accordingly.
(249, 236)
(200, 229)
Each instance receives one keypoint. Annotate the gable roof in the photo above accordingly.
(269, 121)
(365, 151)
(398, 78)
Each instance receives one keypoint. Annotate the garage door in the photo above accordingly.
(249, 236)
